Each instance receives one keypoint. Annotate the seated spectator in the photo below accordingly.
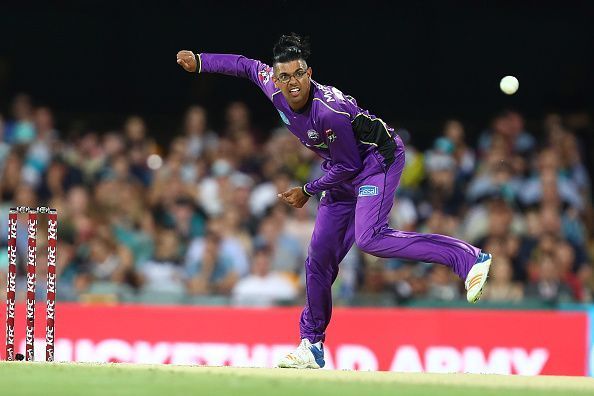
(262, 287)
(414, 166)
(21, 130)
(216, 192)
(548, 285)
(571, 162)
(236, 233)
(443, 284)
(404, 214)
(373, 275)
(300, 226)
(11, 178)
(287, 256)
(4, 147)
(464, 155)
(507, 127)
(106, 262)
(501, 286)
(211, 272)
(572, 272)
(41, 149)
(230, 246)
(265, 194)
(164, 271)
(497, 180)
(199, 138)
(441, 190)
(188, 222)
(549, 186)
(408, 280)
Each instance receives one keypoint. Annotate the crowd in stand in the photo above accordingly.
(199, 221)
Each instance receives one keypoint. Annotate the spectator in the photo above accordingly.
(548, 186)
(212, 271)
(4, 147)
(263, 287)
(21, 130)
(548, 285)
(200, 139)
(414, 166)
(164, 272)
(464, 155)
(106, 261)
(501, 286)
(40, 151)
(238, 121)
(443, 285)
(287, 257)
(265, 194)
(507, 129)
(230, 247)
(442, 191)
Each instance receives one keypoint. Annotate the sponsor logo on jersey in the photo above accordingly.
(368, 191)
(284, 118)
(331, 93)
(313, 135)
(330, 135)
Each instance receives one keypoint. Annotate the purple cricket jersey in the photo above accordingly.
(331, 124)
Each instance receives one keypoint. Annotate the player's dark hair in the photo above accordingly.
(290, 47)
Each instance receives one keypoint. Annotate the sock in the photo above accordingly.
(319, 345)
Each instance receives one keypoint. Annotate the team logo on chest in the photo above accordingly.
(330, 135)
(313, 135)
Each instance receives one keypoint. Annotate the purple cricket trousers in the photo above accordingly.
(357, 212)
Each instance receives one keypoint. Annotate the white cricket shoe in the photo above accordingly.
(305, 356)
(477, 277)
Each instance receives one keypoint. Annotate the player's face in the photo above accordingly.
(292, 78)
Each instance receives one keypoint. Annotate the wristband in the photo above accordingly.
(199, 59)
(305, 191)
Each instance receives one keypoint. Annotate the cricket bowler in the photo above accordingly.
(363, 162)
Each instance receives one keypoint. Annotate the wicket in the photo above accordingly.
(52, 238)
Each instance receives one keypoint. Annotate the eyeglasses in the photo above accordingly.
(285, 78)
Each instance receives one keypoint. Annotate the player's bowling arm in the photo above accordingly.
(238, 66)
(346, 161)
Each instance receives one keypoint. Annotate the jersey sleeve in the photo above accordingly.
(344, 154)
(238, 66)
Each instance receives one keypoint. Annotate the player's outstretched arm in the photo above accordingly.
(187, 60)
(232, 65)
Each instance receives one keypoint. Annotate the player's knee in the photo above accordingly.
(365, 241)
(320, 259)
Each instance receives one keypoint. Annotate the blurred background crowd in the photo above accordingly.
(199, 221)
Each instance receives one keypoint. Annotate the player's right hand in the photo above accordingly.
(187, 60)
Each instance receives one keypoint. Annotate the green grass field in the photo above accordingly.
(64, 379)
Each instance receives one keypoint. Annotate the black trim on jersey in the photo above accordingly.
(305, 191)
(374, 131)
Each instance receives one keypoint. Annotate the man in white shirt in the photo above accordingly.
(263, 288)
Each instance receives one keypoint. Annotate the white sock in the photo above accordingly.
(318, 345)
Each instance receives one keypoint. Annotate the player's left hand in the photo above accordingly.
(294, 197)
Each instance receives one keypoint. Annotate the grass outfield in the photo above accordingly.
(64, 379)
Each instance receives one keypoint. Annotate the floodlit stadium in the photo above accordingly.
(310, 198)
